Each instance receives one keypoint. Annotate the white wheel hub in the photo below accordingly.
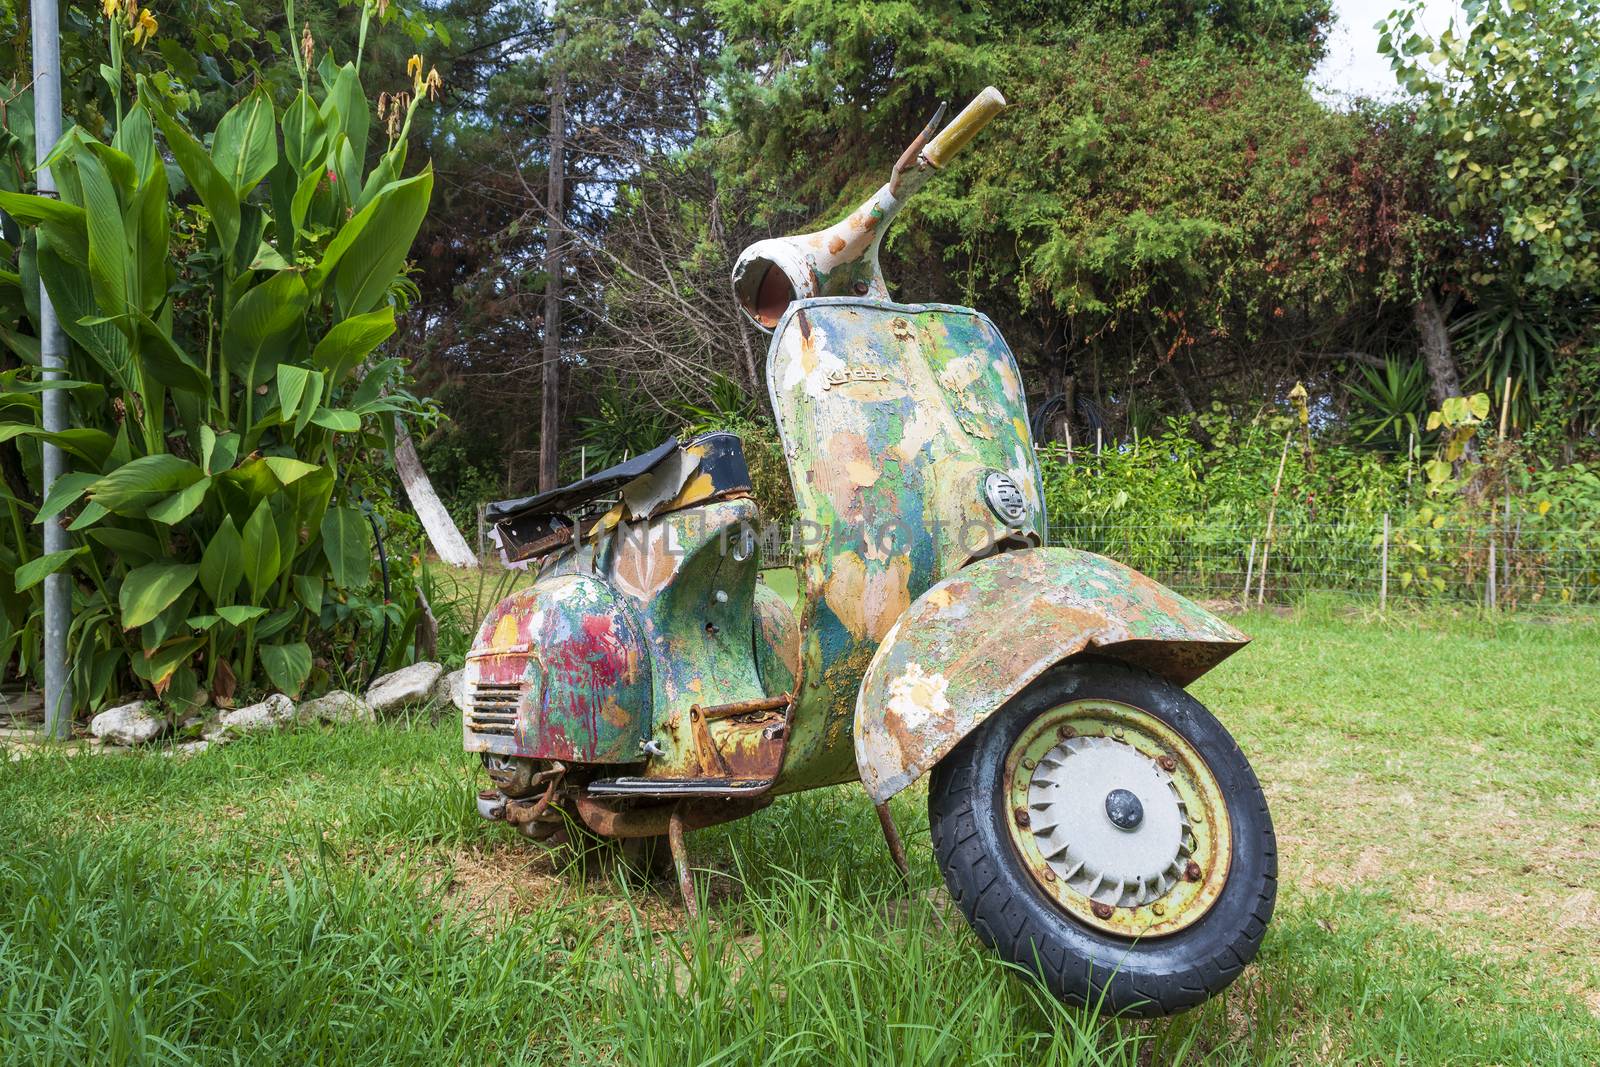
(1109, 821)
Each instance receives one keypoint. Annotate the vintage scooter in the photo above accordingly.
(1095, 824)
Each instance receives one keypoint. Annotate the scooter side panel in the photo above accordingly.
(975, 640)
(559, 672)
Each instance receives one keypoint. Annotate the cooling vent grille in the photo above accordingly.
(492, 707)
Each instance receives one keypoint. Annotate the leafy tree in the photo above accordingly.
(1514, 98)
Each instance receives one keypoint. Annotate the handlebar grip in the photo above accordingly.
(964, 127)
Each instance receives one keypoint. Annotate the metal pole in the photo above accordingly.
(53, 357)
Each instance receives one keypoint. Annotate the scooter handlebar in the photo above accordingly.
(964, 127)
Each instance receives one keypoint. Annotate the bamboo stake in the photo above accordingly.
(1491, 593)
(1097, 442)
(1272, 514)
(1249, 571)
(1069, 444)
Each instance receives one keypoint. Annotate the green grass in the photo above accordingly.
(330, 896)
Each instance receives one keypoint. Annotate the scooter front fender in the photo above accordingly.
(976, 639)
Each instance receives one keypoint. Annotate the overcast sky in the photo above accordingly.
(1353, 66)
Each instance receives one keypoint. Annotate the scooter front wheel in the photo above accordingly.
(1104, 832)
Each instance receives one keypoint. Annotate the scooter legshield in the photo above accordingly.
(559, 672)
(976, 639)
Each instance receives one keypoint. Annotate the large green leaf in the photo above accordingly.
(64, 493)
(91, 445)
(148, 590)
(222, 563)
(288, 666)
(180, 505)
(337, 420)
(159, 665)
(291, 389)
(164, 361)
(345, 109)
(245, 147)
(261, 555)
(305, 136)
(375, 257)
(37, 569)
(263, 327)
(136, 486)
(217, 451)
(239, 614)
(287, 470)
(342, 348)
(345, 543)
(73, 297)
(65, 224)
(308, 590)
(109, 255)
(215, 191)
(131, 545)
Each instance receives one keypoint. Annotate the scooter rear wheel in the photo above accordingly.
(1104, 832)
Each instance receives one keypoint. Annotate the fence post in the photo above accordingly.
(1069, 444)
(1383, 580)
(1249, 571)
(1488, 589)
(1097, 442)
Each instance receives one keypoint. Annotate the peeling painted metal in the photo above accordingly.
(979, 637)
(892, 416)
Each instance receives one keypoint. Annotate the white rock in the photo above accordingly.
(131, 724)
(188, 748)
(408, 685)
(451, 688)
(337, 705)
(272, 713)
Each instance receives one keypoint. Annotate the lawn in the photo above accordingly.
(330, 896)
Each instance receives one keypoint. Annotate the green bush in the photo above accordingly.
(225, 310)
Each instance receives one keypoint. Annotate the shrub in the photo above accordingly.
(225, 310)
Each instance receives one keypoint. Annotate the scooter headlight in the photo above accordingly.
(1005, 498)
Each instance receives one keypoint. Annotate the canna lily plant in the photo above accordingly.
(226, 299)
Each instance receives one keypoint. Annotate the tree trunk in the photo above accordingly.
(436, 521)
(1443, 377)
(550, 392)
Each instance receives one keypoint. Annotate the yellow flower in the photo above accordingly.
(145, 28)
(112, 8)
(414, 70)
(434, 83)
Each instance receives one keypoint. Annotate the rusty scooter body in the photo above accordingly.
(648, 682)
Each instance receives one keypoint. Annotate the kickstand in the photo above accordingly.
(892, 837)
(680, 860)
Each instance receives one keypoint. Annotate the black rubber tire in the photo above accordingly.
(967, 813)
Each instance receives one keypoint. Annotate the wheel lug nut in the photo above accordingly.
(1066, 732)
(1167, 763)
(1102, 911)
(1030, 763)
(1049, 874)
(1021, 815)
(1116, 731)
(1192, 871)
(1158, 908)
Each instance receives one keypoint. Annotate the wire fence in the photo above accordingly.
(1518, 566)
